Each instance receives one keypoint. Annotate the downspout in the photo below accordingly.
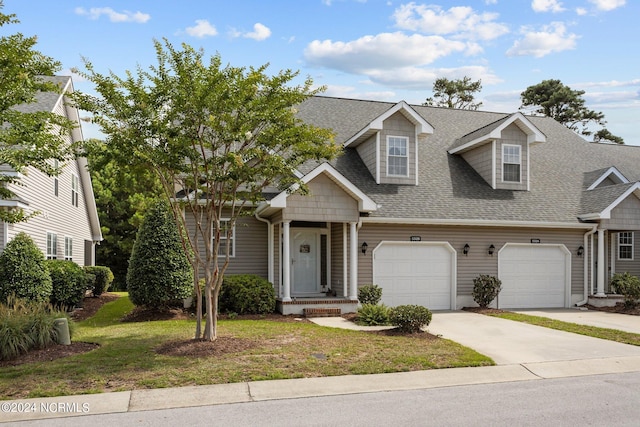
(586, 264)
(270, 255)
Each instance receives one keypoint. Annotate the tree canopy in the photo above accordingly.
(455, 93)
(216, 137)
(27, 138)
(554, 99)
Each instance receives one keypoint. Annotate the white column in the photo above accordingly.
(286, 263)
(353, 252)
(601, 265)
(345, 261)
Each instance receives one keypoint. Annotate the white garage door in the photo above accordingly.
(534, 276)
(420, 273)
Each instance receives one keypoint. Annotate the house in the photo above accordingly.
(425, 199)
(67, 225)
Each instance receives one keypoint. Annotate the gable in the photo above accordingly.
(603, 178)
(625, 215)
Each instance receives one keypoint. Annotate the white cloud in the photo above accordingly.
(340, 91)
(581, 11)
(423, 78)
(382, 51)
(608, 5)
(547, 6)
(202, 29)
(124, 16)
(552, 38)
(458, 21)
(260, 32)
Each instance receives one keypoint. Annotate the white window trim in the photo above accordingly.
(75, 190)
(56, 181)
(54, 255)
(406, 139)
(68, 239)
(519, 163)
(626, 245)
(223, 240)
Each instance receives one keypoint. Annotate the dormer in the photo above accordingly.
(388, 145)
(604, 177)
(499, 152)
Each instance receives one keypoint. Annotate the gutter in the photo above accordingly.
(474, 222)
(586, 265)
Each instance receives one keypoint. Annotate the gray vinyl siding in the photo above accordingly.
(56, 214)
(479, 238)
(626, 265)
(337, 257)
(624, 216)
(512, 135)
(481, 159)
(606, 182)
(367, 152)
(326, 202)
(398, 125)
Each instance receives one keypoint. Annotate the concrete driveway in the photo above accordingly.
(601, 319)
(508, 342)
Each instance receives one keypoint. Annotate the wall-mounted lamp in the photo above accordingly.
(364, 247)
(491, 250)
(466, 248)
(580, 251)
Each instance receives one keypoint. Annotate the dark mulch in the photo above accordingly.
(618, 308)
(483, 310)
(141, 314)
(91, 305)
(51, 353)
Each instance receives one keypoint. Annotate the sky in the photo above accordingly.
(385, 50)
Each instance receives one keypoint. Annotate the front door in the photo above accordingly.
(305, 262)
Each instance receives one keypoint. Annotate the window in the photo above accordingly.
(511, 163)
(397, 156)
(52, 246)
(55, 179)
(68, 248)
(625, 245)
(75, 188)
(231, 241)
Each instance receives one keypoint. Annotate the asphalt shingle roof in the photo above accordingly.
(449, 188)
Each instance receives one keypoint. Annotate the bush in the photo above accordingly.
(159, 273)
(370, 294)
(27, 325)
(247, 294)
(103, 277)
(485, 289)
(629, 286)
(68, 281)
(373, 315)
(410, 318)
(23, 272)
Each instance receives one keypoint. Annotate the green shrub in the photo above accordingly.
(247, 294)
(103, 277)
(628, 286)
(485, 289)
(27, 325)
(159, 273)
(373, 315)
(369, 294)
(69, 283)
(23, 272)
(410, 318)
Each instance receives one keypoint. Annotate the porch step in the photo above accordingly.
(322, 312)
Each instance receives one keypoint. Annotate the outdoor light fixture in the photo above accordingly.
(492, 249)
(364, 247)
(466, 248)
(580, 250)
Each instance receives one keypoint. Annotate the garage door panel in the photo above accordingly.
(414, 274)
(533, 276)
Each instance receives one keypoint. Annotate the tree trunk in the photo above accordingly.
(198, 290)
(212, 315)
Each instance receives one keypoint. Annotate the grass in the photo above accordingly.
(591, 331)
(126, 358)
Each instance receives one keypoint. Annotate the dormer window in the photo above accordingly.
(511, 162)
(397, 156)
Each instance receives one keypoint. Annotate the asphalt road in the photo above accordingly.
(597, 400)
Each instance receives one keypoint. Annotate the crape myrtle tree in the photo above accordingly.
(27, 137)
(216, 136)
(554, 99)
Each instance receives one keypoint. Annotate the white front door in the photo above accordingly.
(305, 261)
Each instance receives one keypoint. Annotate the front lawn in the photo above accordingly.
(129, 356)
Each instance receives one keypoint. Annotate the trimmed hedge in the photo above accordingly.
(369, 294)
(247, 294)
(485, 289)
(410, 318)
(69, 283)
(103, 277)
(23, 272)
(627, 285)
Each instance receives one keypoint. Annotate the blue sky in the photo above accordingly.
(371, 49)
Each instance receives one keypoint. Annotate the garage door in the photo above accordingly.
(420, 273)
(534, 276)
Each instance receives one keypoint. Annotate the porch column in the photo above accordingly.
(353, 255)
(601, 264)
(286, 263)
